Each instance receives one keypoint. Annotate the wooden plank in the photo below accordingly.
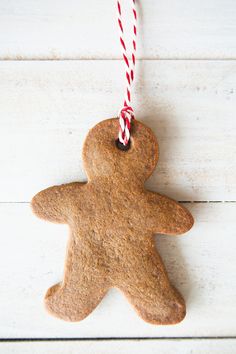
(201, 265)
(74, 29)
(48, 107)
(216, 346)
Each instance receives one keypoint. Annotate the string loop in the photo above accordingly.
(126, 114)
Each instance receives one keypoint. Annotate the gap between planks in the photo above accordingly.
(179, 201)
(104, 339)
(2, 59)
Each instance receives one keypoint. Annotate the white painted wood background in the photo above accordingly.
(186, 92)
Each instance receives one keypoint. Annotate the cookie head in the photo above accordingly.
(103, 158)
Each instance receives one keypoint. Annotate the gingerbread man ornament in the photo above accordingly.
(112, 220)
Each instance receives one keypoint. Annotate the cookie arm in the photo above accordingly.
(52, 204)
(166, 216)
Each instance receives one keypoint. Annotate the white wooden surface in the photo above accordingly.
(46, 109)
(201, 265)
(71, 29)
(216, 346)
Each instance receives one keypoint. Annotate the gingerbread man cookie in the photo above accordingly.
(112, 220)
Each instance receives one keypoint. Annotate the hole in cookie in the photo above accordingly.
(122, 147)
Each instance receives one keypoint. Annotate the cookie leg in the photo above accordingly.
(161, 310)
(73, 303)
(150, 292)
(83, 287)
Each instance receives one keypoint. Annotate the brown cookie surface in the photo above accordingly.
(112, 220)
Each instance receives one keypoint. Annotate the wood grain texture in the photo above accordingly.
(201, 264)
(216, 346)
(72, 29)
(48, 107)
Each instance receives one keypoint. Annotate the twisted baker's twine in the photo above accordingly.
(126, 114)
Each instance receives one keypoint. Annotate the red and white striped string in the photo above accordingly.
(126, 114)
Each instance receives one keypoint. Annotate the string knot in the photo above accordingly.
(125, 115)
